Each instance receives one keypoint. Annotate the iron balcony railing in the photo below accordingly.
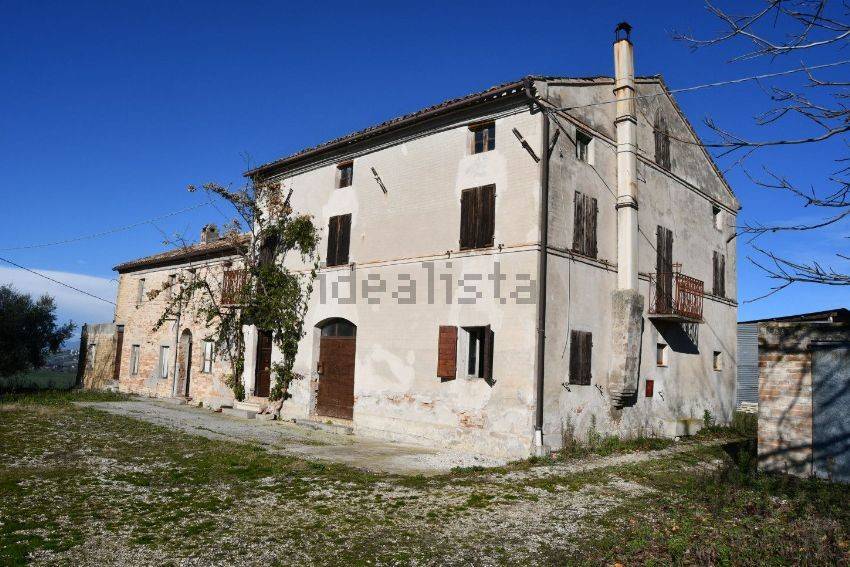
(675, 296)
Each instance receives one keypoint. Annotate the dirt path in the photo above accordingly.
(287, 438)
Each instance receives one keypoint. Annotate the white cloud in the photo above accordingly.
(71, 305)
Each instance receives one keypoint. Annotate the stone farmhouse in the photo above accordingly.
(500, 272)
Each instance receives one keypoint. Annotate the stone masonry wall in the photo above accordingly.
(139, 320)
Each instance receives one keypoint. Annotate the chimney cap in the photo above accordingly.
(624, 27)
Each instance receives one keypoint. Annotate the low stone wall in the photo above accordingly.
(100, 346)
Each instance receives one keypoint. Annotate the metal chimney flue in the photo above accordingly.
(627, 302)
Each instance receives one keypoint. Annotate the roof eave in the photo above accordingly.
(510, 89)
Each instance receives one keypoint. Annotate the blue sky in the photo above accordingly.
(111, 109)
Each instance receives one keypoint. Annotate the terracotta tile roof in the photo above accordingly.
(504, 90)
(493, 93)
(224, 246)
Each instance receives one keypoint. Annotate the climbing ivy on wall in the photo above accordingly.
(261, 290)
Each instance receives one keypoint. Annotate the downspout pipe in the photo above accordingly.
(542, 269)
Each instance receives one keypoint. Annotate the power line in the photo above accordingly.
(715, 84)
(105, 232)
(56, 281)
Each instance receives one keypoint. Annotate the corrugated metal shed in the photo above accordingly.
(748, 363)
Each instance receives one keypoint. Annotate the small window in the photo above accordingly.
(581, 346)
(163, 361)
(140, 292)
(339, 238)
(345, 174)
(650, 388)
(135, 351)
(584, 225)
(717, 360)
(477, 349)
(477, 217)
(583, 146)
(719, 274)
(717, 217)
(661, 354)
(483, 137)
(208, 357)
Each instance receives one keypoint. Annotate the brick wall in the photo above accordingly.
(785, 430)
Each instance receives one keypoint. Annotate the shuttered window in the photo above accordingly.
(719, 279)
(339, 238)
(581, 346)
(662, 143)
(584, 225)
(664, 268)
(447, 352)
(268, 250)
(477, 217)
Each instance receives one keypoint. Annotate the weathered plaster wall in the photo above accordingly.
(139, 321)
(580, 288)
(397, 392)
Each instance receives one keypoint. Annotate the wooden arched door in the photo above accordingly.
(336, 369)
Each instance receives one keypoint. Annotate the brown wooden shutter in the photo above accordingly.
(343, 239)
(467, 218)
(487, 218)
(590, 230)
(719, 273)
(447, 352)
(581, 345)
(333, 232)
(578, 223)
(664, 268)
(487, 354)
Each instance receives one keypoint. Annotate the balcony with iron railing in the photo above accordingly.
(232, 287)
(675, 297)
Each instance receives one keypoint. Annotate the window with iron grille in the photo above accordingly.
(339, 239)
(477, 217)
(483, 137)
(581, 346)
(584, 225)
(345, 174)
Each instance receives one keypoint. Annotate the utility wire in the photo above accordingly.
(716, 84)
(56, 281)
(105, 232)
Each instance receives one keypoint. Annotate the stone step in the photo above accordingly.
(179, 401)
(238, 412)
(331, 427)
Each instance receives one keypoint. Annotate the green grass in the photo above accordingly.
(70, 475)
(39, 380)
